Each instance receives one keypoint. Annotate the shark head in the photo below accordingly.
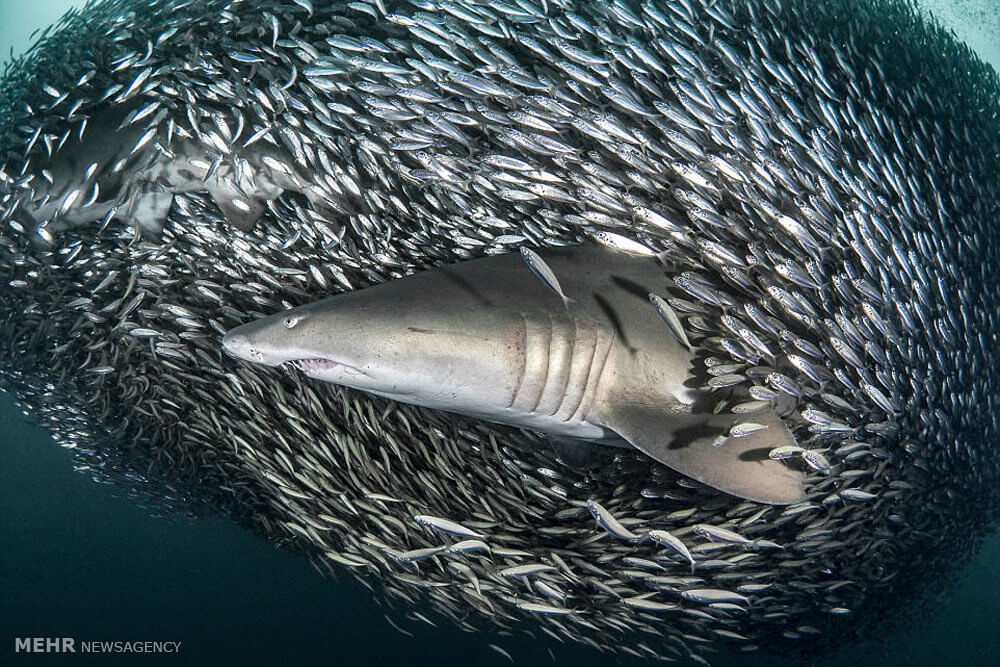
(289, 338)
(412, 341)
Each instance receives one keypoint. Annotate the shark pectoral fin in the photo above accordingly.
(689, 443)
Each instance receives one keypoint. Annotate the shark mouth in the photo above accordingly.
(313, 365)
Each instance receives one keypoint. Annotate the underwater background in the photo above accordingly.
(78, 559)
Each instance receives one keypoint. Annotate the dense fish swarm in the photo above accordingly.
(822, 179)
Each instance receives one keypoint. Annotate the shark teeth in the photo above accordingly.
(312, 365)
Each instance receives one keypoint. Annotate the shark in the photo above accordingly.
(104, 173)
(586, 359)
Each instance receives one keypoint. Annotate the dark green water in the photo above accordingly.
(77, 560)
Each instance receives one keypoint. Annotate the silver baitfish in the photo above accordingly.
(817, 183)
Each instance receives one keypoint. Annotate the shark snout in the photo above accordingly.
(241, 345)
(267, 341)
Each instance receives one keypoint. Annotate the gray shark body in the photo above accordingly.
(486, 338)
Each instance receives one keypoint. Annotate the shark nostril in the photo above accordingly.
(239, 346)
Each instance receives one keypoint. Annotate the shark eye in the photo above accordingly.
(291, 321)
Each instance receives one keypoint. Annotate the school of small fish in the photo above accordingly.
(820, 182)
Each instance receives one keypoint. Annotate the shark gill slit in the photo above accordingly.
(584, 350)
(536, 354)
(598, 364)
(523, 356)
(553, 350)
(564, 362)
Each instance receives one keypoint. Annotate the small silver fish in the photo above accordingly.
(643, 603)
(468, 546)
(543, 271)
(608, 522)
(858, 495)
(717, 534)
(446, 526)
(669, 315)
(670, 541)
(815, 460)
(545, 609)
(624, 244)
(722, 381)
(785, 452)
(528, 570)
(415, 555)
(745, 428)
(713, 595)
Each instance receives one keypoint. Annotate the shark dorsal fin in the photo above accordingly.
(687, 443)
